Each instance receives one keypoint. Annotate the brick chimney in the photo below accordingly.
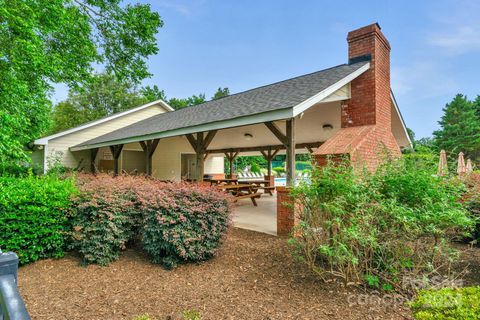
(370, 101)
(366, 130)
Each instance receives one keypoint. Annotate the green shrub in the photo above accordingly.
(177, 222)
(33, 215)
(377, 228)
(472, 202)
(104, 218)
(447, 304)
(183, 223)
(278, 170)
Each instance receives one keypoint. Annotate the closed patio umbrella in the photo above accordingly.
(442, 164)
(461, 168)
(469, 167)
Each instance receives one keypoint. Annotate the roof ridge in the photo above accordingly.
(268, 85)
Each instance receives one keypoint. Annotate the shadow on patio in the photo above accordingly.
(262, 218)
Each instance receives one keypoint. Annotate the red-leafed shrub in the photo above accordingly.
(177, 222)
(183, 222)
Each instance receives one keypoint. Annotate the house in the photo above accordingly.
(348, 109)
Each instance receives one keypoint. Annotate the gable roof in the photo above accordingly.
(292, 95)
(44, 140)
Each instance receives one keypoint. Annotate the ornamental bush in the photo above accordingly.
(176, 222)
(447, 303)
(378, 227)
(105, 217)
(183, 222)
(33, 215)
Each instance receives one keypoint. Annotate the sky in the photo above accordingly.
(206, 44)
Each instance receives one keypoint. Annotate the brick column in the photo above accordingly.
(285, 213)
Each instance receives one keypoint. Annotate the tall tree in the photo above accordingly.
(178, 103)
(221, 92)
(103, 96)
(153, 93)
(44, 42)
(459, 128)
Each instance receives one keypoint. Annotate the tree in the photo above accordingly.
(44, 42)
(460, 128)
(221, 92)
(103, 96)
(178, 103)
(153, 93)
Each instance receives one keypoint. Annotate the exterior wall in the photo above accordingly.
(58, 148)
(166, 162)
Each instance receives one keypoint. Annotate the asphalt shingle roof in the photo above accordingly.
(280, 95)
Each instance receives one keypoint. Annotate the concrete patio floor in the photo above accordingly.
(262, 218)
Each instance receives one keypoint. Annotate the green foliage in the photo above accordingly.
(279, 171)
(179, 103)
(362, 226)
(44, 42)
(191, 315)
(460, 128)
(447, 304)
(103, 96)
(33, 215)
(221, 93)
(177, 222)
(472, 202)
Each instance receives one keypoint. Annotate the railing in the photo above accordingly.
(12, 306)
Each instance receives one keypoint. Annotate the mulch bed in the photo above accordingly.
(253, 277)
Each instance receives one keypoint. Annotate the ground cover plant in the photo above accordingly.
(379, 228)
(34, 215)
(175, 222)
(447, 303)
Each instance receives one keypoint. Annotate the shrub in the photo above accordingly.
(104, 219)
(183, 222)
(377, 228)
(447, 303)
(177, 222)
(278, 170)
(472, 202)
(33, 215)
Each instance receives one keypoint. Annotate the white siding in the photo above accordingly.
(58, 148)
(167, 159)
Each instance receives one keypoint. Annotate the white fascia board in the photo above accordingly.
(226, 124)
(301, 107)
(44, 140)
(397, 109)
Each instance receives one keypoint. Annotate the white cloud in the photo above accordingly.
(180, 8)
(457, 30)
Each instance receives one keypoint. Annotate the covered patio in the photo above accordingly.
(293, 116)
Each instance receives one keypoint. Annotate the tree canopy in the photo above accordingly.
(45, 42)
(460, 127)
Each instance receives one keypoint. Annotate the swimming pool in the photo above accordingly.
(280, 182)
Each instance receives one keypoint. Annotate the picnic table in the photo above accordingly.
(242, 191)
(262, 184)
(226, 181)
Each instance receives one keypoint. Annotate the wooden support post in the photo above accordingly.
(231, 157)
(290, 145)
(116, 152)
(200, 145)
(149, 147)
(93, 156)
(269, 155)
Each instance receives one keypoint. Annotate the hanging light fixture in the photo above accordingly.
(248, 136)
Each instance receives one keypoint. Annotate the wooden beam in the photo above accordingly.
(93, 156)
(277, 148)
(290, 147)
(192, 140)
(116, 151)
(274, 129)
(231, 157)
(208, 139)
(149, 147)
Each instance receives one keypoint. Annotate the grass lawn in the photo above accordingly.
(253, 277)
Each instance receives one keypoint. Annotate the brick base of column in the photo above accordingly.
(285, 212)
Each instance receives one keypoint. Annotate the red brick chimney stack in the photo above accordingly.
(370, 101)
